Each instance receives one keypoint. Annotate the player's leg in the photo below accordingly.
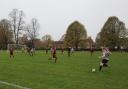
(13, 55)
(55, 58)
(101, 65)
(69, 54)
(32, 53)
(10, 55)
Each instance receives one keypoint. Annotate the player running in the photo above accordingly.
(69, 51)
(62, 50)
(53, 53)
(11, 52)
(91, 50)
(72, 50)
(105, 58)
(29, 51)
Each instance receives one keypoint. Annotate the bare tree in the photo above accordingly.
(5, 32)
(17, 22)
(32, 30)
(47, 39)
(23, 40)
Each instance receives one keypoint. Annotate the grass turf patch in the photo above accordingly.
(73, 72)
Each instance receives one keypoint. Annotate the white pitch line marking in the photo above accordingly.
(13, 85)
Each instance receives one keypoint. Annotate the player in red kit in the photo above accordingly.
(11, 52)
(54, 54)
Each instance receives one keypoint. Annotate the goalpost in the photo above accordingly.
(17, 47)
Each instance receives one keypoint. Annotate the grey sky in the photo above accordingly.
(55, 16)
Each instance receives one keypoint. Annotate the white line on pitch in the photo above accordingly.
(13, 85)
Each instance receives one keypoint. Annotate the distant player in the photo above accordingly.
(105, 58)
(54, 54)
(46, 50)
(72, 50)
(69, 51)
(29, 51)
(11, 52)
(62, 50)
(91, 50)
(51, 50)
(32, 51)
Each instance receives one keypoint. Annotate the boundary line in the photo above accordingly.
(13, 85)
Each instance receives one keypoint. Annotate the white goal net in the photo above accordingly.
(17, 47)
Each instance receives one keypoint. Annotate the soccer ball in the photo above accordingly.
(93, 70)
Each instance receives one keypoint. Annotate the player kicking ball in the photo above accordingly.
(105, 58)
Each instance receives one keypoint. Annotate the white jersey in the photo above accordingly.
(72, 49)
(106, 55)
(32, 50)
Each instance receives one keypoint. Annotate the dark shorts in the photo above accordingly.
(92, 51)
(54, 55)
(11, 53)
(104, 61)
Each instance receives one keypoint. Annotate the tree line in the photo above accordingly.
(113, 34)
(12, 29)
(15, 30)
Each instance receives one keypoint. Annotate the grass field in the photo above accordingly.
(73, 72)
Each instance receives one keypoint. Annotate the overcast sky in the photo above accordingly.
(55, 16)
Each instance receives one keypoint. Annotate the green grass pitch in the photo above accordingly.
(73, 72)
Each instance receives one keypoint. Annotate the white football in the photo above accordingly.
(93, 70)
